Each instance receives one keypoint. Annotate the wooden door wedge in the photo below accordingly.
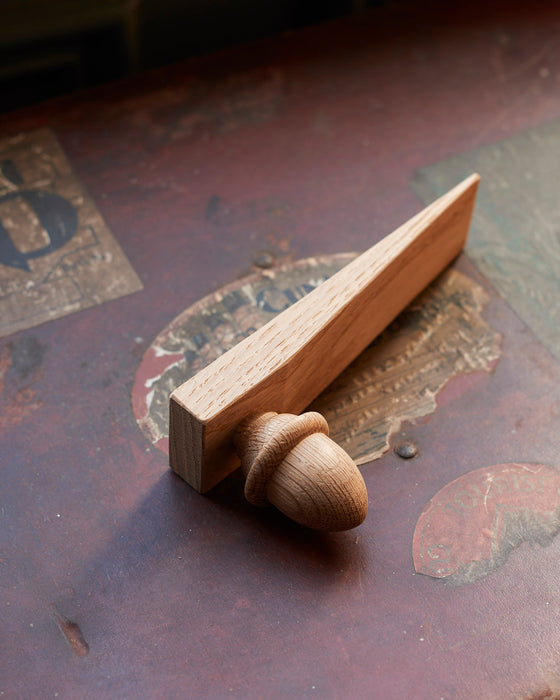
(240, 408)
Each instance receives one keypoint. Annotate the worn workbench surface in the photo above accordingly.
(117, 579)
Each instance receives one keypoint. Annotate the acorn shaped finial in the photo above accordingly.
(291, 462)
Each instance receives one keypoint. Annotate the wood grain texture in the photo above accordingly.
(285, 364)
(291, 462)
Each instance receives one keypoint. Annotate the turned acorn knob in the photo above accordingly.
(291, 462)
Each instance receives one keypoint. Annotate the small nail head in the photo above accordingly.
(406, 450)
(263, 259)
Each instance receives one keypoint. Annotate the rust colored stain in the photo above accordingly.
(471, 526)
(17, 403)
(73, 634)
(240, 100)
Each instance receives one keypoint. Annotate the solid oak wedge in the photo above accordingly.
(284, 365)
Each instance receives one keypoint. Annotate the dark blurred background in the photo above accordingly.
(52, 47)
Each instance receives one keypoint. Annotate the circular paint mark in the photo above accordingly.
(440, 336)
(211, 327)
(469, 528)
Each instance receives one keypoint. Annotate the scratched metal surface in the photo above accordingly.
(116, 579)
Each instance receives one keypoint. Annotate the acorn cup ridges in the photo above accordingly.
(289, 461)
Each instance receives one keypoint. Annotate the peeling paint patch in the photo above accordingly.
(471, 526)
(440, 336)
(211, 327)
(56, 253)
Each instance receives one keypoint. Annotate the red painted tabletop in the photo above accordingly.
(116, 578)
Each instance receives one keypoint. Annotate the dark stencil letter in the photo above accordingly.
(57, 216)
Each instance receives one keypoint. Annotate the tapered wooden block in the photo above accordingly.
(285, 364)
